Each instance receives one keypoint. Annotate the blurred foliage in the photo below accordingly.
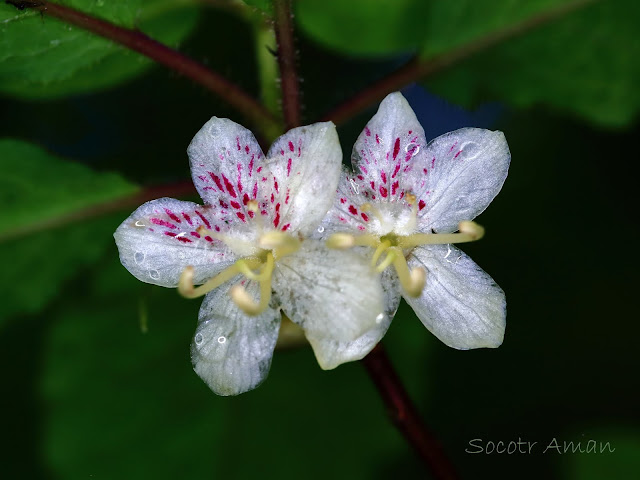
(43, 57)
(90, 394)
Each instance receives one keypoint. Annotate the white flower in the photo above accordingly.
(404, 200)
(245, 242)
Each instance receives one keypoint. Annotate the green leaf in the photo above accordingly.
(43, 57)
(584, 63)
(163, 421)
(364, 27)
(37, 188)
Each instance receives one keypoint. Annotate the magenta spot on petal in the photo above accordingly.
(291, 146)
(187, 218)
(433, 163)
(272, 198)
(251, 165)
(289, 167)
(395, 170)
(238, 142)
(365, 217)
(425, 171)
(259, 169)
(230, 189)
(421, 204)
(204, 220)
(360, 177)
(343, 200)
(246, 148)
(453, 146)
(217, 228)
(217, 180)
(162, 223)
(383, 191)
(286, 227)
(456, 155)
(361, 228)
(367, 132)
(281, 152)
(383, 176)
(353, 210)
(223, 204)
(394, 187)
(276, 220)
(364, 169)
(245, 199)
(286, 200)
(241, 216)
(235, 204)
(208, 238)
(172, 216)
(194, 234)
(373, 197)
(396, 148)
(170, 234)
(183, 239)
(410, 132)
(277, 207)
(275, 185)
(255, 190)
(251, 214)
(377, 138)
(373, 185)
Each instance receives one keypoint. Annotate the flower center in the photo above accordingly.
(257, 266)
(393, 246)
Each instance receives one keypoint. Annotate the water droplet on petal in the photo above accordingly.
(379, 318)
(198, 339)
(355, 187)
(138, 257)
(412, 148)
(139, 223)
(154, 274)
(222, 339)
(320, 229)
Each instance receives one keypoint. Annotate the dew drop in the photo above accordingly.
(355, 187)
(415, 148)
(139, 223)
(198, 339)
(138, 257)
(379, 318)
(320, 229)
(154, 274)
(221, 340)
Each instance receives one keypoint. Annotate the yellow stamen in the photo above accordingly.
(244, 301)
(468, 232)
(381, 248)
(187, 289)
(341, 241)
(280, 243)
(388, 260)
(412, 281)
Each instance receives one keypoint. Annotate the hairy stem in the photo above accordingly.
(179, 189)
(287, 62)
(404, 414)
(419, 69)
(141, 43)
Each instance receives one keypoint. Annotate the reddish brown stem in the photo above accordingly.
(404, 414)
(166, 56)
(420, 69)
(179, 189)
(287, 63)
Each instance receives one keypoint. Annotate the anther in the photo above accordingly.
(412, 281)
(345, 240)
(280, 243)
(468, 232)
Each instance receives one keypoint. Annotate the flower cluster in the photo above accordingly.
(274, 238)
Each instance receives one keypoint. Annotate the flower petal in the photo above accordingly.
(161, 238)
(305, 166)
(388, 147)
(330, 352)
(232, 351)
(331, 294)
(465, 170)
(226, 166)
(460, 304)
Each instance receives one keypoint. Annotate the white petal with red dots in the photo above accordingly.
(465, 171)
(460, 304)
(331, 294)
(226, 166)
(164, 236)
(232, 351)
(305, 166)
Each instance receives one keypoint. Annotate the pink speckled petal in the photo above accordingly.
(304, 168)
(161, 238)
(464, 171)
(226, 166)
